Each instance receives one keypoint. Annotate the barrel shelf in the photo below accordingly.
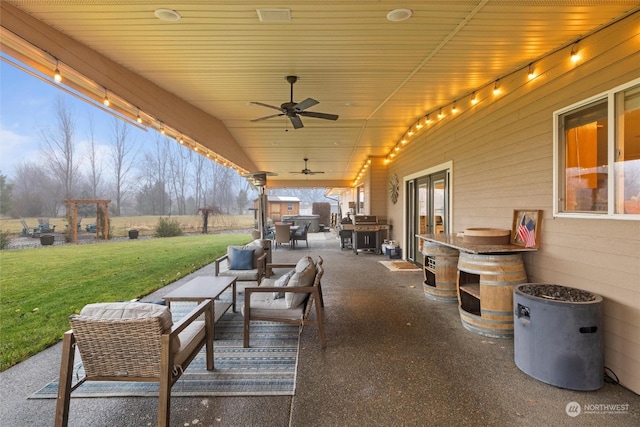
(485, 292)
(472, 289)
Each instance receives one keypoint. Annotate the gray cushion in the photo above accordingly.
(305, 272)
(241, 259)
(263, 305)
(129, 310)
(132, 310)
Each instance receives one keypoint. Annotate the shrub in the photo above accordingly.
(168, 227)
(4, 239)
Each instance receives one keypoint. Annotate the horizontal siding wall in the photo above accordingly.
(502, 155)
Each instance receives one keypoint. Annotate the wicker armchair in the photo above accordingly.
(140, 347)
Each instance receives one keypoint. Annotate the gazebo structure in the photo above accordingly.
(102, 221)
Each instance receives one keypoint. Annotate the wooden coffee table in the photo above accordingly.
(206, 287)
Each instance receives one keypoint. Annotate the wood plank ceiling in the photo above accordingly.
(378, 76)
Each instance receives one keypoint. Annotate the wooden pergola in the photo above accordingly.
(101, 205)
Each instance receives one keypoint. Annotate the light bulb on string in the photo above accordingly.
(531, 74)
(56, 74)
(105, 101)
(474, 99)
(496, 88)
(575, 53)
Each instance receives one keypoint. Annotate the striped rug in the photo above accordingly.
(267, 368)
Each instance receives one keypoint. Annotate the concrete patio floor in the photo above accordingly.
(394, 358)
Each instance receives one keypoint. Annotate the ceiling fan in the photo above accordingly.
(306, 170)
(293, 110)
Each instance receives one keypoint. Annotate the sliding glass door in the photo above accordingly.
(427, 210)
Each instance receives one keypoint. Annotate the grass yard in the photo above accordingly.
(40, 288)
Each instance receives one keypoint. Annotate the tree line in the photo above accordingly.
(165, 178)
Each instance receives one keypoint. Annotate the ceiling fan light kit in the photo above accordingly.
(293, 110)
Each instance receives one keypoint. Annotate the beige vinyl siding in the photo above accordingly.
(502, 154)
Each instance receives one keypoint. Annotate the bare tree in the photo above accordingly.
(153, 198)
(59, 150)
(200, 181)
(34, 192)
(122, 158)
(95, 163)
(178, 172)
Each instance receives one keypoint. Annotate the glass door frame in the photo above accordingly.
(410, 184)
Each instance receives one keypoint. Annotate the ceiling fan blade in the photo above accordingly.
(295, 121)
(266, 105)
(267, 117)
(319, 115)
(303, 105)
(314, 172)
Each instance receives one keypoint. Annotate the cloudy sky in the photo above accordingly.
(28, 108)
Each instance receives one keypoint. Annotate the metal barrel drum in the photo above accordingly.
(497, 276)
(440, 272)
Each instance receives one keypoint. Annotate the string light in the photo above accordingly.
(162, 131)
(496, 88)
(56, 76)
(474, 99)
(139, 119)
(428, 121)
(440, 115)
(105, 101)
(454, 109)
(575, 53)
(531, 73)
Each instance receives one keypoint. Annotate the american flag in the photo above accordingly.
(527, 232)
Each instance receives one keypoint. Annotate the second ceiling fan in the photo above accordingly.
(306, 170)
(293, 110)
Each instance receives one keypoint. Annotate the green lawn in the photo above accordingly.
(40, 288)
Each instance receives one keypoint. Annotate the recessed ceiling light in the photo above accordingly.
(274, 15)
(398, 15)
(167, 15)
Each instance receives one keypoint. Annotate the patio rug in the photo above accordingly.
(400, 266)
(267, 368)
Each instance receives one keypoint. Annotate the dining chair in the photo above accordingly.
(283, 235)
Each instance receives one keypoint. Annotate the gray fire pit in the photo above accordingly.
(558, 335)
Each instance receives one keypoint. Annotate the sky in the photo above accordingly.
(28, 108)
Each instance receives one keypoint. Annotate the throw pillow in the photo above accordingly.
(241, 259)
(304, 275)
(282, 282)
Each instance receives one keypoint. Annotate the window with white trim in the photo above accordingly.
(597, 156)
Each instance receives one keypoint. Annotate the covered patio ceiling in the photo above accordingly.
(381, 77)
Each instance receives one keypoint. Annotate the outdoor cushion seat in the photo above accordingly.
(264, 304)
(255, 274)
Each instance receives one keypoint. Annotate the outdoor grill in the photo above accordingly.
(366, 234)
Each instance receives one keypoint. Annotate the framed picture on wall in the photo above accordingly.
(526, 228)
